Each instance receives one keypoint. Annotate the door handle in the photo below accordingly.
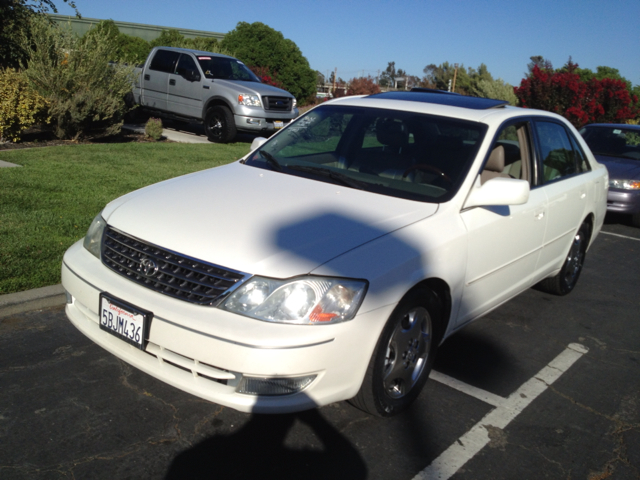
(147, 77)
(172, 81)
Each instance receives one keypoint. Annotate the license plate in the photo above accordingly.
(123, 320)
(278, 124)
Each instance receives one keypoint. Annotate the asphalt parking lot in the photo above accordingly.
(543, 387)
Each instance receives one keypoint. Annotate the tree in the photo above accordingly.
(14, 27)
(565, 93)
(259, 45)
(388, 77)
(497, 89)
(363, 86)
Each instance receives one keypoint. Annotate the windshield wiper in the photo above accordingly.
(271, 161)
(344, 179)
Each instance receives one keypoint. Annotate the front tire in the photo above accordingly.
(564, 282)
(403, 357)
(219, 125)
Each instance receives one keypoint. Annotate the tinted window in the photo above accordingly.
(164, 61)
(403, 154)
(558, 156)
(226, 68)
(185, 64)
(613, 141)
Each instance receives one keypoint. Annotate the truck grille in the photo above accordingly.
(277, 104)
(165, 271)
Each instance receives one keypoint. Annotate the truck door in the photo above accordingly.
(185, 88)
(156, 79)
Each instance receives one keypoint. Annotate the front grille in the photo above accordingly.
(277, 104)
(176, 275)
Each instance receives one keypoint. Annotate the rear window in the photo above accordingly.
(164, 61)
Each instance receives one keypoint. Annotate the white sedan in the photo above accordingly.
(331, 261)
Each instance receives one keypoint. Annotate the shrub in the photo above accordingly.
(85, 92)
(20, 106)
(153, 128)
(363, 86)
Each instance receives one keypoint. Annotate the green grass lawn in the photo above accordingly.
(48, 203)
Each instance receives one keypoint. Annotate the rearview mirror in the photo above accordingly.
(498, 191)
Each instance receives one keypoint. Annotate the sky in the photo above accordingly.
(360, 37)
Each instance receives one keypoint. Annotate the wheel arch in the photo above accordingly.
(442, 292)
(214, 102)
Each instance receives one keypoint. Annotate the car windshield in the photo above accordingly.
(397, 153)
(226, 68)
(613, 141)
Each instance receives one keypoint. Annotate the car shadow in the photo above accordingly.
(260, 450)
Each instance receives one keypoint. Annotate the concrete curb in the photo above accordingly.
(172, 134)
(14, 303)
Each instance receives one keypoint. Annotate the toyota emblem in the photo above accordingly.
(148, 267)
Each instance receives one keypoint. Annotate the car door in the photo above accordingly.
(156, 79)
(563, 175)
(504, 242)
(185, 88)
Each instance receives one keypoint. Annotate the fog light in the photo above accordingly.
(274, 386)
(253, 121)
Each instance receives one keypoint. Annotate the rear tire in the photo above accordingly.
(219, 125)
(564, 282)
(403, 357)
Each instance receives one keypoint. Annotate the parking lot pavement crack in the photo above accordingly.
(127, 370)
(618, 429)
(536, 451)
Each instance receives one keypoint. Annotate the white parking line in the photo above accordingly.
(478, 393)
(621, 236)
(467, 446)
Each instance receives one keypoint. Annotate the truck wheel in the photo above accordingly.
(403, 358)
(219, 125)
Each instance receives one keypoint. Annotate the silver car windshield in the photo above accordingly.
(390, 152)
(226, 68)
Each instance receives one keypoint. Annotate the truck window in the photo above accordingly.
(226, 68)
(164, 61)
(185, 64)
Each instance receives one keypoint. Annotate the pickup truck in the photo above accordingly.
(217, 90)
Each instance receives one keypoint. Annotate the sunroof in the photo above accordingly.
(442, 98)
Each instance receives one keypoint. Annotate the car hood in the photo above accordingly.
(253, 87)
(258, 221)
(620, 168)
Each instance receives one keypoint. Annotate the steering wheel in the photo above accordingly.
(428, 168)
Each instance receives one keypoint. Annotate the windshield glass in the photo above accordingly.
(403, 154)
(226, 68)
(613, 141)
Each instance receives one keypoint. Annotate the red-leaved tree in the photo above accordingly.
(268, 77)
(363, 86)
(596, 101)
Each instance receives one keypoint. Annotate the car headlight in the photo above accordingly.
(307, 300)
(93, 239)
(295, 103)
(624, 184)
(249, 100)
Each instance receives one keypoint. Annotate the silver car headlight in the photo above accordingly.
(624, 184)
(93, 239)
(307, 300)
(249, 100)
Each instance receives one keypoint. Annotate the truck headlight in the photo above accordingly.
(249, 100)
(93, 239)
(307, 300)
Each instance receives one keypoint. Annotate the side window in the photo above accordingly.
(509, 156)
(185, 64)
(581, 161)
(556, 150)
(164, 61)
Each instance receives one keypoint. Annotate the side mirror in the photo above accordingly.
(498, 191)
(257, 142)
(192, 76)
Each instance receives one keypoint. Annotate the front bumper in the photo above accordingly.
(206, 351)
(623, 201)
(258, 124)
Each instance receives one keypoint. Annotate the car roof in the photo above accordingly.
(195, 52)
(613, 125)
(485, 110)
